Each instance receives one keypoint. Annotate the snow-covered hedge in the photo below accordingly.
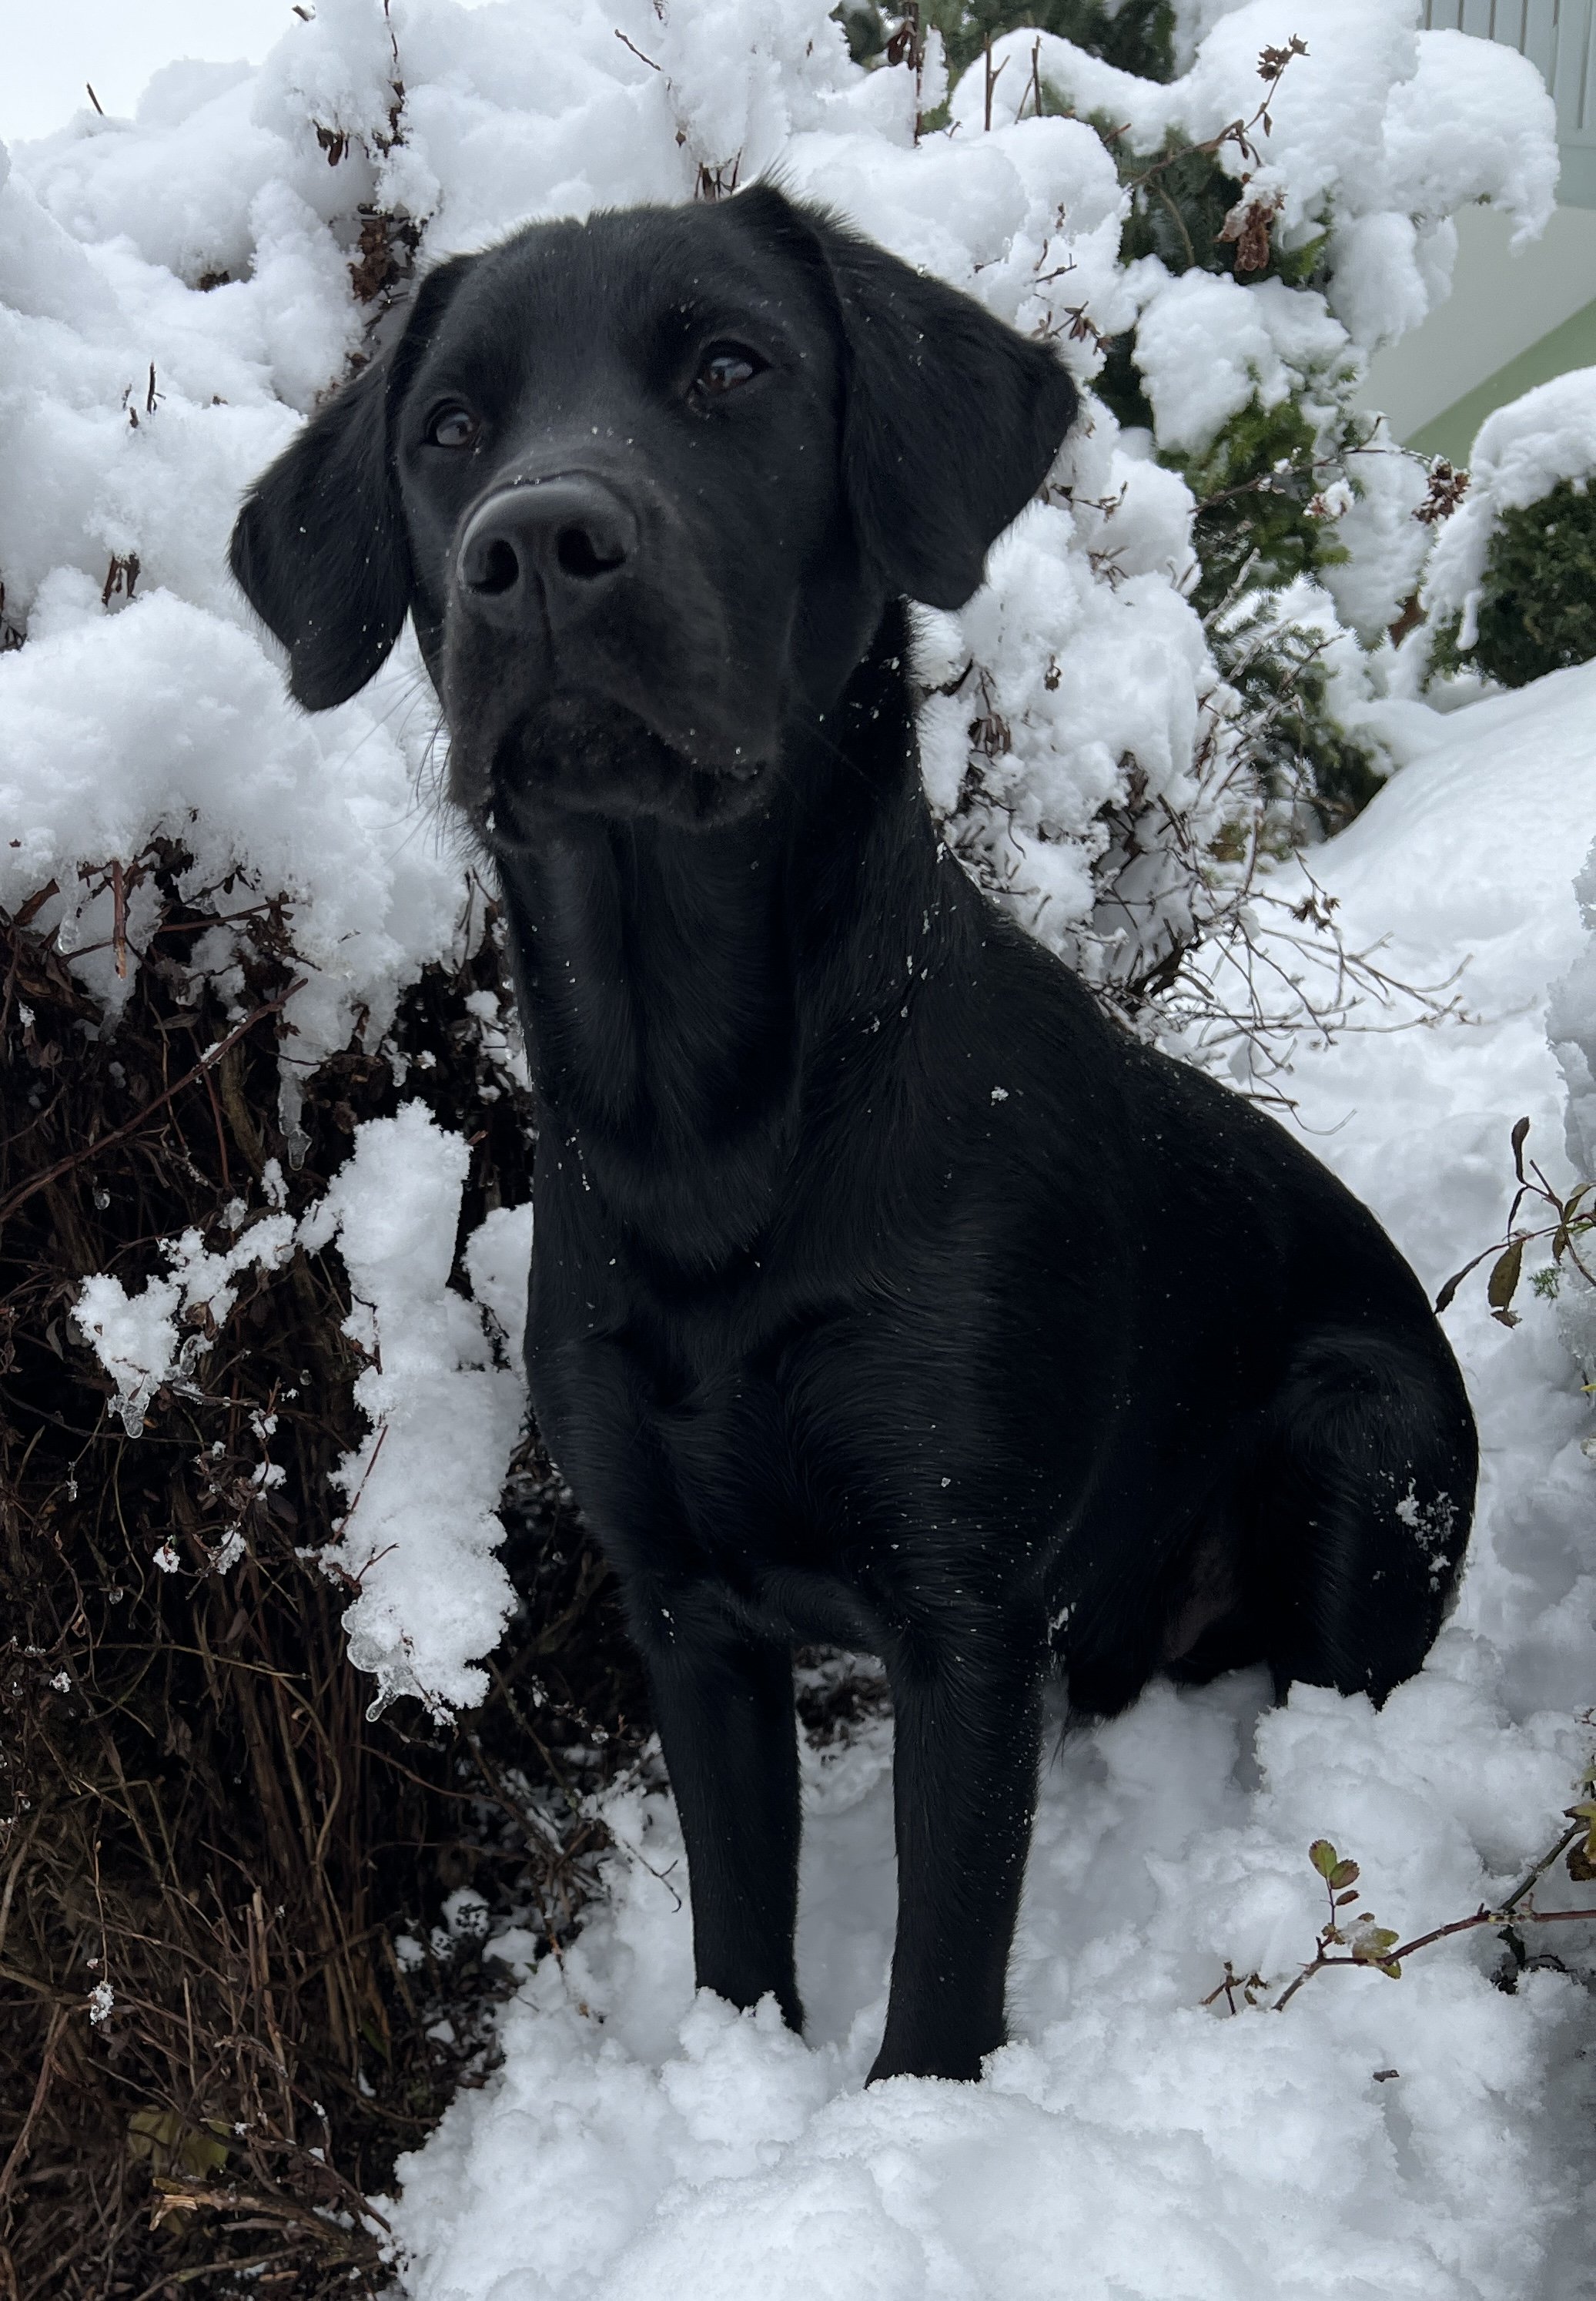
(1510, 589)
(1345, 142)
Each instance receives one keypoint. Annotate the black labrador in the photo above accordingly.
(886, 1293)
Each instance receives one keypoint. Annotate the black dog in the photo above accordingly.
(885, 1292)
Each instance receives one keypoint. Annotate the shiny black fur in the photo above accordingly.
(885, 1292)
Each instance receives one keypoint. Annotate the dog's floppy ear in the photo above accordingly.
(319, 548)
(952, 418)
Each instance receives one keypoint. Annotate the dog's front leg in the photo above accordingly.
(966, 1734)
(723, 1707)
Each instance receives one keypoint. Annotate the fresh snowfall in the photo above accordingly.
(175, 294)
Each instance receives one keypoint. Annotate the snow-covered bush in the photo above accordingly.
(1288, 199)
(1510, 589)
(184, 1741)
(1139, 35)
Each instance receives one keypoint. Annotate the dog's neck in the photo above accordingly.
(686, 994)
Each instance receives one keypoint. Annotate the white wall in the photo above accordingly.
(1500, 303)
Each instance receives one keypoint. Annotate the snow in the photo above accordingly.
(1377, 136)
(1374, 135)
(1379, 2137)
(1119, 665)
(419, 1536)
(1209, 346)
(135, 1337)
(498, 1255)
(1386, 547)
(1573, 1031)
(416, 1541)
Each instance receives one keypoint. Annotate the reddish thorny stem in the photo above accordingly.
(1507, 1914)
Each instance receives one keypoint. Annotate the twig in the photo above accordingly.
(992, 77)
(1481, 1917)
(47, 2070)
(119, 889)
(1272, 66)
(9, 1207)
(1573, 1221)
(1390, 1954)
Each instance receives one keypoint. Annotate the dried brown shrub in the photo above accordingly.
(196, 1818)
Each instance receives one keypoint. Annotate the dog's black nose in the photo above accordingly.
(542, 542)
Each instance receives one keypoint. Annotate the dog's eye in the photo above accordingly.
(725, 366)
(453, 427)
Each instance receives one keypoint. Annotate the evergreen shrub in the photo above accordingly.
(1536, 607)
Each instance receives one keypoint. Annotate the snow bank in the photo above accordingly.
(1572, 1027)
(1377, 2138)
(1130, 2143)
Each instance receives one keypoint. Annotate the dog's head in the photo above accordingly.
(645, 484)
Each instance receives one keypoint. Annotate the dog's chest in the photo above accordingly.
(720, 1452)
